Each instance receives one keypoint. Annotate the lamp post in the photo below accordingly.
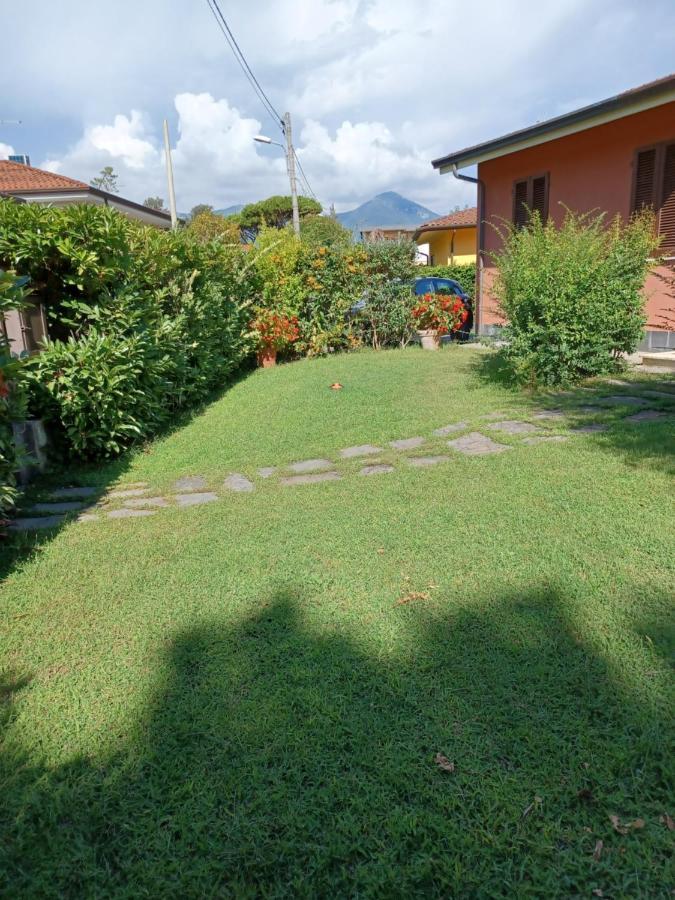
(290, 166)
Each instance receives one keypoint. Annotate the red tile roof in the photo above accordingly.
(465, 218)
(15, 177)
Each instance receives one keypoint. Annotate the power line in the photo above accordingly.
(304, 177)
(243, 64)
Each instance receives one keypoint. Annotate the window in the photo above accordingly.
(654, 186)
(530, 195)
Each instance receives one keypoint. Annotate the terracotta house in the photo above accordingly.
(450, 239)
(615, 156)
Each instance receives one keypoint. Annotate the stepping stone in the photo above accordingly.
(423, 461)
(130, 513)
(310, 465)
(589, 429)
(647, 415)
(67, 493)
(591, 410)
(35, 524)
(130, 492)
(660, 395)
(360, 450)
(549, 414)
(376, 470)
(87, 517)
(618, 400)
(494, 415)
(266, 471)
(190, 483)
(62, 507)
(407, 443)
(236, 482)
(449, 429)
(477, 444)
(546, 439)
(512, 426)
(311, 479)
(137, 502)
(196, 499)
(617, 382)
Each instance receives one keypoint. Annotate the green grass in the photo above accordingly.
(231, 700)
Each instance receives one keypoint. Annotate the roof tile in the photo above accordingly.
(16, 177)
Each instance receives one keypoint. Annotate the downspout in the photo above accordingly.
(479, 256)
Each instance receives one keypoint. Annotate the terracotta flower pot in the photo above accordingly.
(429, 339)
(267, 357)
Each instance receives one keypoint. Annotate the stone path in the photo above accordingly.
(138, 500)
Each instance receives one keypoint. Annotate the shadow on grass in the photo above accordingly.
(280, 761)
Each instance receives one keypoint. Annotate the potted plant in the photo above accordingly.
(436, 315)
(274, 331)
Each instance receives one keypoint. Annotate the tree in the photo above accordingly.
(276, 212)
(106, 180)
(199, 209)
(154, 203)
(325, 231)
(208, 225)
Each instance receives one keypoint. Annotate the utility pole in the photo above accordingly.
(290, 162)
(169, 177)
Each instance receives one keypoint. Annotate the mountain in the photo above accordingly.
(230, 210)
(385, 209)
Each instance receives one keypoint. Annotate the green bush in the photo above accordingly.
(464, 274)
(12, 392)
(572, 296)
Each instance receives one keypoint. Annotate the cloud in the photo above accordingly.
(6, 150)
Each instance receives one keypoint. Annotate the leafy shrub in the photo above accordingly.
(572, 296)
(324, 231)
(464, 274)
(12, 393)
(208, 225)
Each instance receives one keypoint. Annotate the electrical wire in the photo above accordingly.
(304, 177)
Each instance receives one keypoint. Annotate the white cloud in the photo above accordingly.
(6, 150)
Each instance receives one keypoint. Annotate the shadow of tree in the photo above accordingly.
(278, 761)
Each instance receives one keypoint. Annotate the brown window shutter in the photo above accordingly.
(520, 203)
(645, 179)
(540, 196)
(666, 222)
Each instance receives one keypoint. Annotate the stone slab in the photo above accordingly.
(68, 493)
(129, 492)
(376, 470)
(37, 523)
(647, 415)
(591, 410)
(623, 400)
(407, 443)
(423, 461)
(360, 450)
(136, 502)
(267, 471)
(196, 499)
(660, 395)
(589, 429)
(59, 507)
(450, 429)
(310, 465)
(549, 414)
(477, 444)
(311, 479)
(87, 517)
(190, 483)
(546, 439)
(512, 426)
(130, 513)
(239, 483)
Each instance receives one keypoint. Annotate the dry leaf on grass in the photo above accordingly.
(668, 821)
(444, 763)
(638, 823)
(635, 825)
(528, 809)
(598, 892)
(597, 853)
(412, 595)
(336, 386)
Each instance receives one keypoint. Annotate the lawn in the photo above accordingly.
(247, 698)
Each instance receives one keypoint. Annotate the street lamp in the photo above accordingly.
(290, 166)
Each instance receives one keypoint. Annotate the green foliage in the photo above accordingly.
(464, 274)
(199, 209)
(106, 180)
(572, 296)
(207, 226)
(12, 393)
(324, 231)
(275, 212)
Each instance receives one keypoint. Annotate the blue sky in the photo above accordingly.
(377, 88)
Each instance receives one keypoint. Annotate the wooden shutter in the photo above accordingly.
(645, 179)
(520, 203)
(666, 222)
(539, 202)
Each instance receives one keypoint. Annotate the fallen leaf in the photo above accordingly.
(410, 596)
(336, 386)
(380, 550)
(638, 823)
(597, 853)
(668, 821)
(598, 892)
(616, 824)
(528, 809)
(444, 763)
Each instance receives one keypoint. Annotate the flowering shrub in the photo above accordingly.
(442, 313)
(275, 331)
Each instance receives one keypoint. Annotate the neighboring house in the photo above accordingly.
(25, 184)
(615, 156)
(37, 186)
(387, 233)
(449, 240)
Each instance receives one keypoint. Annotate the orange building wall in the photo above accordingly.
(592, 169)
